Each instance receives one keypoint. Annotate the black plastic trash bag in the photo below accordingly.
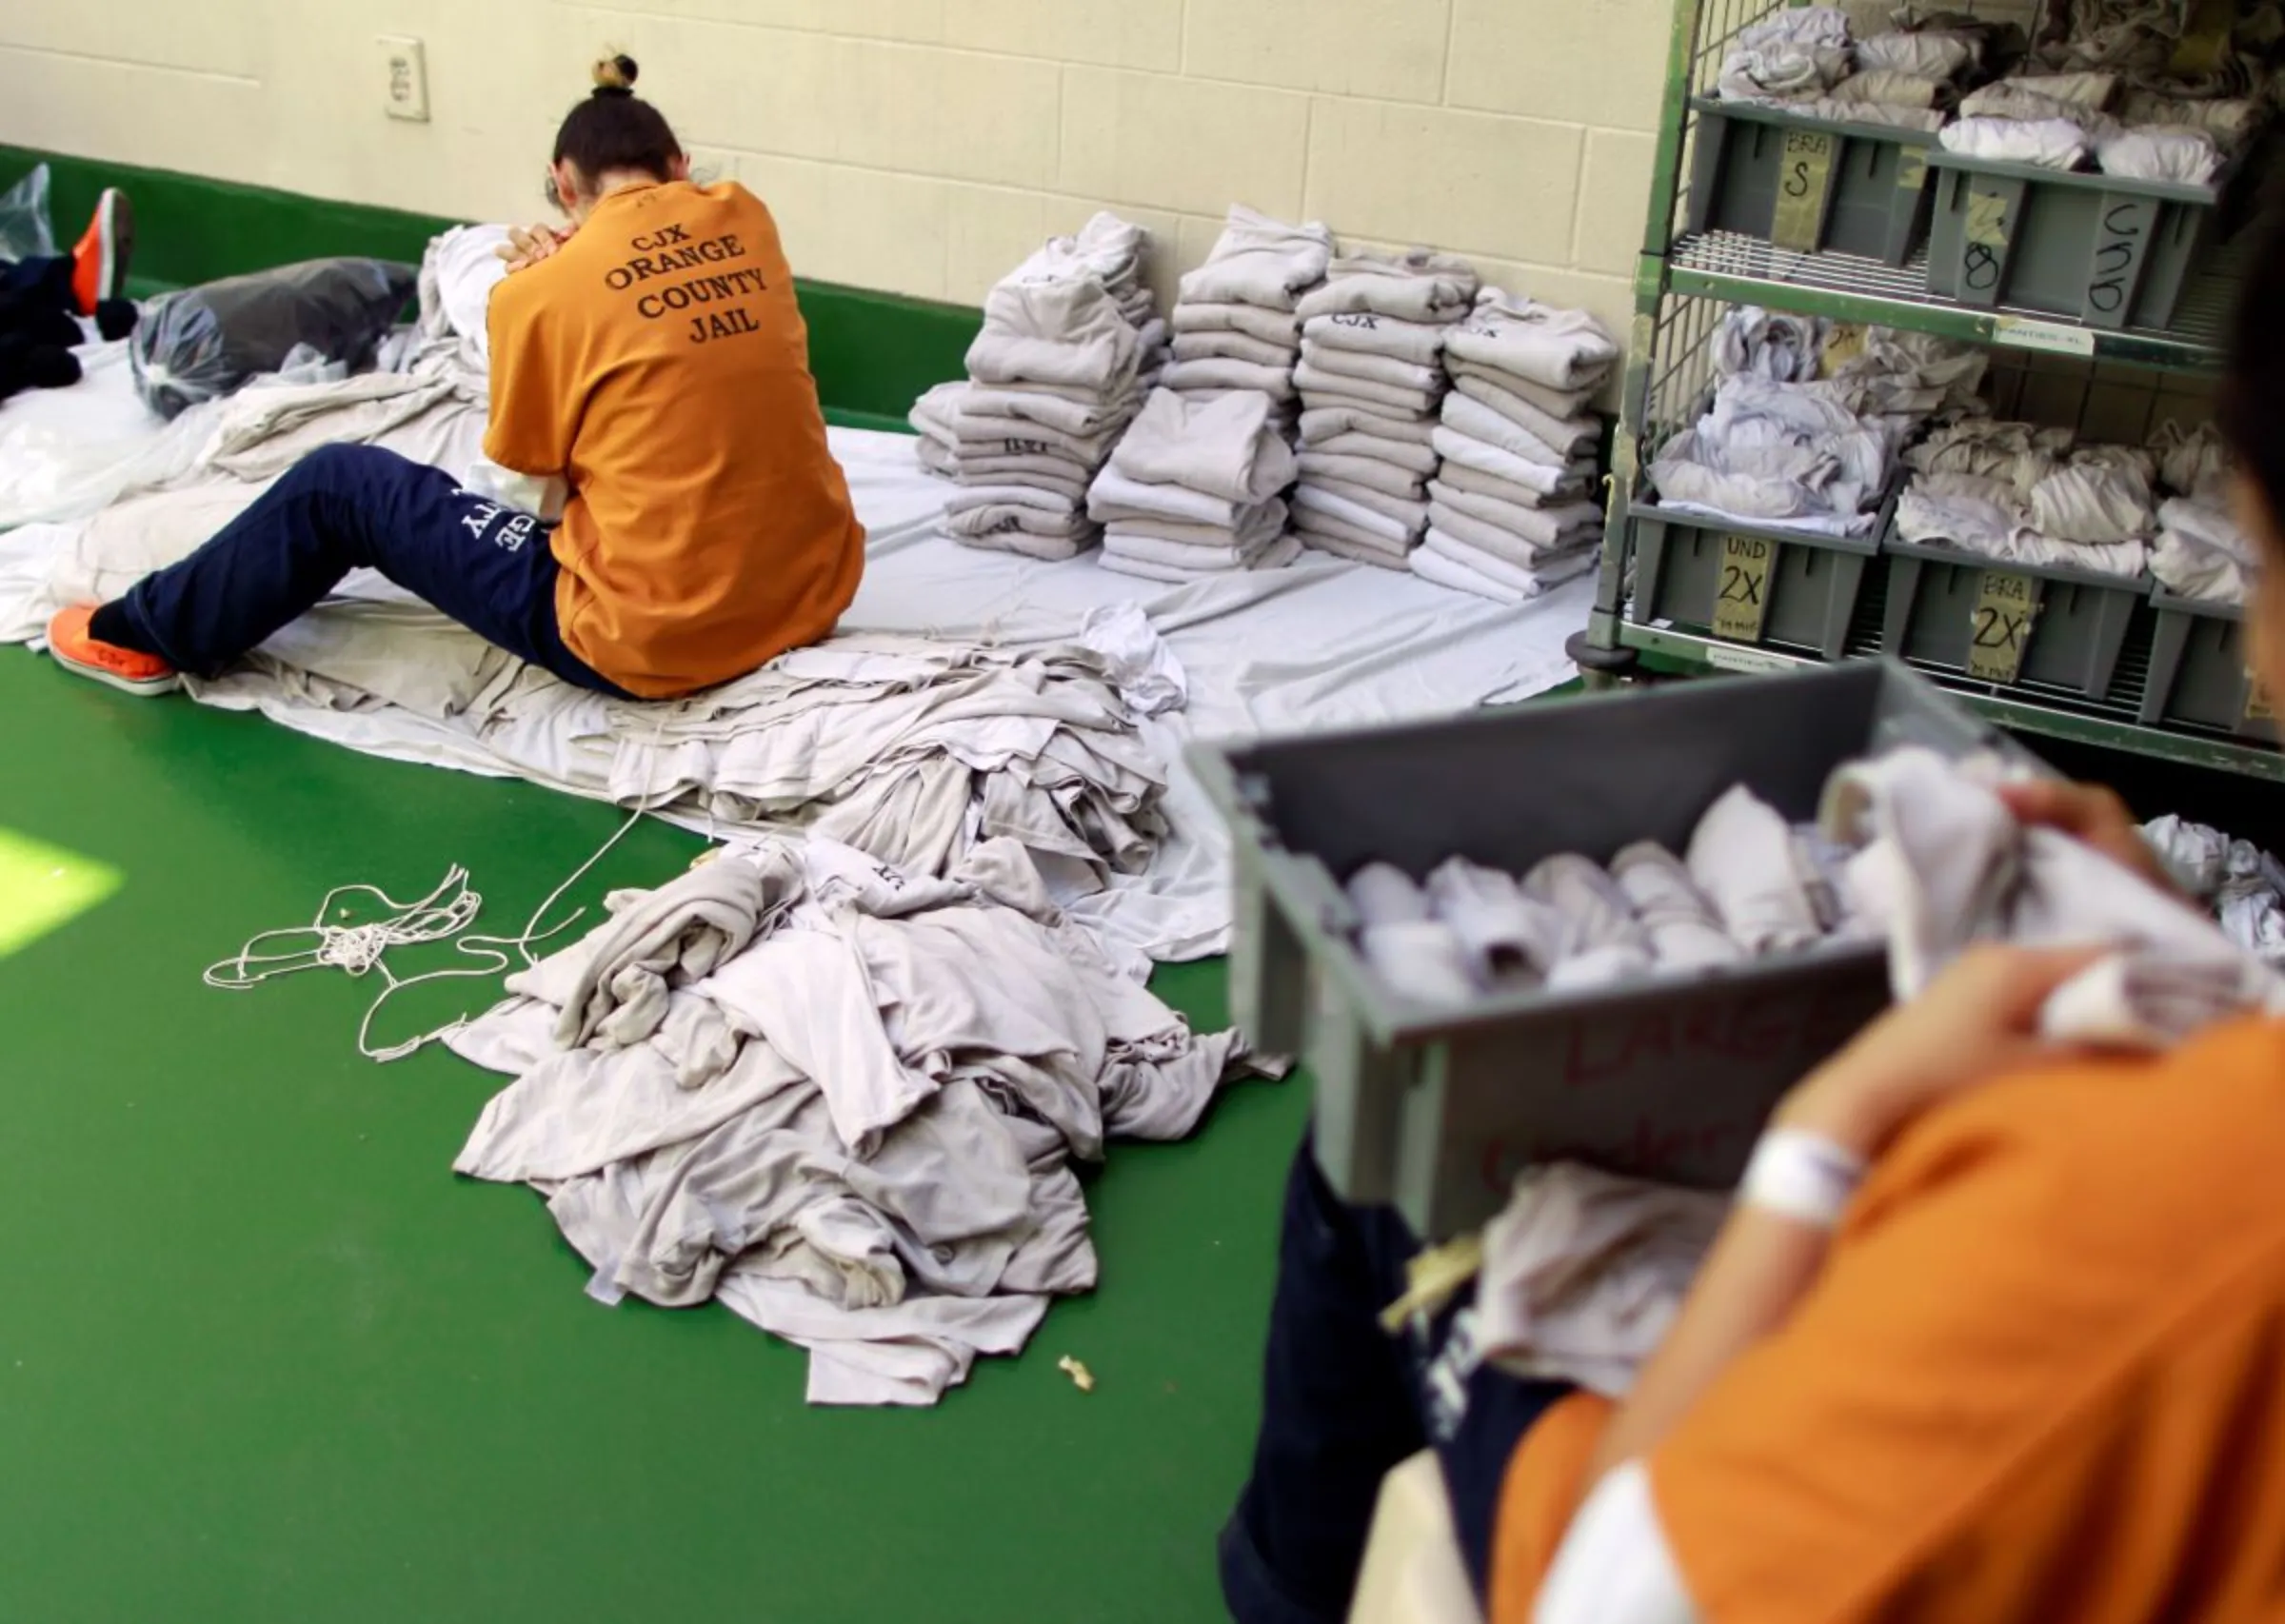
(205, 341)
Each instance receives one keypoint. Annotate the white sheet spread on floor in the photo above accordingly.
(1322, 645)
(845, 1099)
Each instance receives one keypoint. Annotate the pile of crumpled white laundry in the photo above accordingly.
(845, 1099)
(2243, 884)
(2031, 495)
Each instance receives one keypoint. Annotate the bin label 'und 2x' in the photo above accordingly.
(1742, 601)
(2257, 707)
(1999, 625)
(1804, 180)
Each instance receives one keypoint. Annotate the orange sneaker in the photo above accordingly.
(125, 670)
(99, 263)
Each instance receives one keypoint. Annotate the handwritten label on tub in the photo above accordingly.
(1999, 625)
(1742, 599)
(1912, 169)
(2257, 706)
(1804, 178)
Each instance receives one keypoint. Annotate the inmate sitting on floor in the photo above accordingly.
(651, 356)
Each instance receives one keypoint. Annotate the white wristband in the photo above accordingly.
(1803, 1177)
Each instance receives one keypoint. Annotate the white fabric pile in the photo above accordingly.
(2027, 495)
(2242, 885)
(2201, 553)
(2060, 120)
(1940, 863)
(844, 1101)
(1803, 435)
(1193, 488)
(1069, 348)
(1804, 61)
(1512, 510)
(1751, 885)
(1235, 322)
(1371, 376)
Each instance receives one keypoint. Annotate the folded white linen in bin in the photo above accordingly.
(1416, 286)
(1399, 524)
(1418, 458)
(1787, 55)
(1685, 931)
(1471, 452)
(2050, 143)
(1419, 343)
(1358, 364)
(1321, 466)
(1584, 1271)
(1931, 54)
(1068, 333)
(1219, 372)
(1222, 445)
(1318, 383)
(1447, 561)
(1344, 542)
(1277, 555)
(1558, 403)
(1515, 425)
(2201, 553)
(1260, 261)
(1743, 856)
(1558, 349)
(1458, 476)
(1322, 423)
(1233, 346)
(1511, 939)
(1941, 862)
(2187, 157)
(1282, 329)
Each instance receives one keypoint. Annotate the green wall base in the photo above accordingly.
(873, 354)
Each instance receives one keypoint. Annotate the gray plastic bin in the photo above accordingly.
(2100, 249)
(2011, 623)
(1436, 1109)
(1814, 184)
(1748, 584)
(2199, 675)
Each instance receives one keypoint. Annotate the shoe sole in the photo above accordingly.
(146, 688)
(116, 235)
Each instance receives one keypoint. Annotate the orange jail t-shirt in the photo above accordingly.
(658, 362)
(2041, 1379)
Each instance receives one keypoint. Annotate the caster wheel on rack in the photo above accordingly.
(1600, 667)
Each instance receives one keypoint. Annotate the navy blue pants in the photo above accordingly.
(349, 508)
(1343, 1402)
(47, 282)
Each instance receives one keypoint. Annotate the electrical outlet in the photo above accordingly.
(404, 79)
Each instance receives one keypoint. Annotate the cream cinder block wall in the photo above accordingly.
(920, 147)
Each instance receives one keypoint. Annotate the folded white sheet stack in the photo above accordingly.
(1512, 509)
(1193, 487)
(1371, 377)
(2201, 553)
(1233, 318)
(1068, 350)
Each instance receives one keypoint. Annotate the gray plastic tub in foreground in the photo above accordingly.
(1434, 1109)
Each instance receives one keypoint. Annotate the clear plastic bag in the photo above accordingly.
(26, 232)
(205, 341)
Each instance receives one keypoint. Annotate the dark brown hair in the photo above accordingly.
(615, 129)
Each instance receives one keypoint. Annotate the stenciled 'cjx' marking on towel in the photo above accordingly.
(45, 887)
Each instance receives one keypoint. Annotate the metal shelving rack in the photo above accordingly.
(1682, 276)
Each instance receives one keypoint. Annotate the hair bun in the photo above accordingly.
(615, 76)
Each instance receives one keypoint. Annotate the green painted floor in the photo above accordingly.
(264, 1357)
